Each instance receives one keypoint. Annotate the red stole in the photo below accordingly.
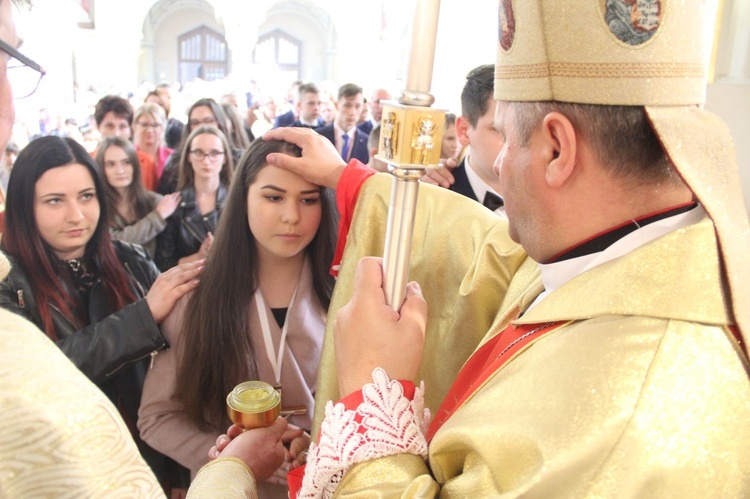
(484, 363)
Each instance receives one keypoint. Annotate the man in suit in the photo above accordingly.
(287, 118)
(474, 177)
(343, 132)
(308, 107)
(376, 109)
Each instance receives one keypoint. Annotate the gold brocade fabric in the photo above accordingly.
(702, 150)
(227, 478)
(463, 279)
(60, 436)
(644, 394)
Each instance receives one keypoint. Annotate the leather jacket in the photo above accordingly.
(114, 350)
(187, 228)
(112, 340)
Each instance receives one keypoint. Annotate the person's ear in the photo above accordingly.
(462, 130)
(560, 143)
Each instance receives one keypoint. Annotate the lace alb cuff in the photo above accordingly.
(385, 423)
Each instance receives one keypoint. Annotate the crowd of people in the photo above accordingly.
(584, 267)
(123, 233)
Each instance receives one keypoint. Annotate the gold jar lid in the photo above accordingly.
(253, 404)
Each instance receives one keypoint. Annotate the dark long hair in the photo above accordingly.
(135, 192)
(22, 241)
(238, 136)
(185, 171)
(215, 349)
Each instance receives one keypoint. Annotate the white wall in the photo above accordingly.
(729, 95)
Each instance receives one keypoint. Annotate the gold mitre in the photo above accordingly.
(627, 52)
(651, 53)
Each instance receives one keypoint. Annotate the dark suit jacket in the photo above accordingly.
(319, 123)
(359, 147)
(285, 119)
(461, 184)
(366, 126)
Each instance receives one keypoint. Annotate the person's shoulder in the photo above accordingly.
(153, 197)
(284, 119)
(361, 134)
(14, 275)
(366, 127)
(325, 129)
(14, 269)
(172, 326)
(129, 251)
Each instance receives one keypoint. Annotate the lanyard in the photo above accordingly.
(274, 358)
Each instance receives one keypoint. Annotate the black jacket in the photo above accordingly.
(112, 340)
(114, 350)
(187, 228)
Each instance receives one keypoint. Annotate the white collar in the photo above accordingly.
(340, 131)
(557, 274)
(314, 122)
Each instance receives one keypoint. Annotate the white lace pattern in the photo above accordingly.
(392, 425)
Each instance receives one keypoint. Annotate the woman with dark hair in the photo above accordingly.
(259, 312)
(204, 112)
(136, 215)
(100, 301)
(205, 172)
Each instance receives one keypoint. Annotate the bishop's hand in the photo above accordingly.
(320, 163)
(369, 333)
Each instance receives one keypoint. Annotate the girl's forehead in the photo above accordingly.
(65, 176)
(114, 151)
(281, 177)
(201, 110)
(207, 138)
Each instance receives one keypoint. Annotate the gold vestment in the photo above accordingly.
(644, 394)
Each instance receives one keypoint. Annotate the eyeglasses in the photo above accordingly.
(212, 155)
(204, 121)
(26, 74)
(153, 126)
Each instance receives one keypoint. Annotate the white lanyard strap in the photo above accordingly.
(276, 359)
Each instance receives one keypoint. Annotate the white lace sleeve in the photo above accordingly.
(384, 424)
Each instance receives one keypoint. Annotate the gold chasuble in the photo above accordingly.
(463, 268)
(643, 353)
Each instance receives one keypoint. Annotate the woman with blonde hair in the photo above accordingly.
(149, 122)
